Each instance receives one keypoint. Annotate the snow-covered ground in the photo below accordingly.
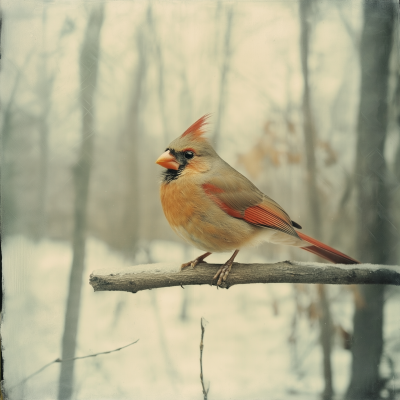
(247, 353)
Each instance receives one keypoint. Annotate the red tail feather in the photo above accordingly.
(324, 251)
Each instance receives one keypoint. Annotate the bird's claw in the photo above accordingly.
(191, 264)
(195, 261)
(223, 273)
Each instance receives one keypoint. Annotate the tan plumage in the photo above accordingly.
(216, 209)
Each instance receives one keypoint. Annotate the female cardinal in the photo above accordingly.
(216, 209)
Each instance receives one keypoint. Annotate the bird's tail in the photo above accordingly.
(324, 251)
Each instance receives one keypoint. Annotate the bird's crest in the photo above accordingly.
(197, 129)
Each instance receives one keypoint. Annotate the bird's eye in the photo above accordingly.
(189, 154)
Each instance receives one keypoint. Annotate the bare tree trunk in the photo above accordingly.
(397, 117)
(308, 123)
(223, 77)
(374, 227)
(8, 192)
(8, 202)
(185, 294)
(396, 167)
(326, 328)
(313, 198)
(160, 66)
(130, 138)
(88, 77)
(1, 221)
(1, 33)
(44, 93)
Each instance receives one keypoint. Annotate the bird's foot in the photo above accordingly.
(195, 261)
(223, 272)
(190, 264)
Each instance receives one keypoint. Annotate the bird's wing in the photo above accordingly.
(239, 198)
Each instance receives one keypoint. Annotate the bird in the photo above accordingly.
(216, 209)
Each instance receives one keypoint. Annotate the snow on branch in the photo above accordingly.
(152, 276)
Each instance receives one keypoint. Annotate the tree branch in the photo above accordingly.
(152, 276)
(205, 391)
(59, 360)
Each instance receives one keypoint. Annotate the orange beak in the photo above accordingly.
(167, 160)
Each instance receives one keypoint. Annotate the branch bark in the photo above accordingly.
(152, 276)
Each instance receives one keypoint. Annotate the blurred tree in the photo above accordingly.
(160, 68)
(397, 118)
(44, 90)
(308, 122)
(1, 33)
(9, 192)
(89, 59)
(314, 215)
(8, 203)
(1, 271)
(224, 73)
(396, 193)
(130, 222)
(374, 236)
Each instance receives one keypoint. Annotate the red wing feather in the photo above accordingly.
(212, 192)
(260, 215)
(325, 251)
(257, 209)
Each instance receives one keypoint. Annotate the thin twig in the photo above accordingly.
(205, 392)
(35, 373)
(59, 360)
(97, 354)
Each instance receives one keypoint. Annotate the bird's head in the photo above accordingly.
(189, 153)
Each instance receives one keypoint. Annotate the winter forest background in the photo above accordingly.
(305, 101)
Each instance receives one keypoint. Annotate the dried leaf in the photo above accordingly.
(313, 312)
(275, 308)
(252, 162)
(291, 127)
(293, 158)
(331, 156)
(346, 337)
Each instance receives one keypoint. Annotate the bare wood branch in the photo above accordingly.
(152, 276)
(205, 391)
(59, 360)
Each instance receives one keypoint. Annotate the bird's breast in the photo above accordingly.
(194, 217)
(179, 202)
